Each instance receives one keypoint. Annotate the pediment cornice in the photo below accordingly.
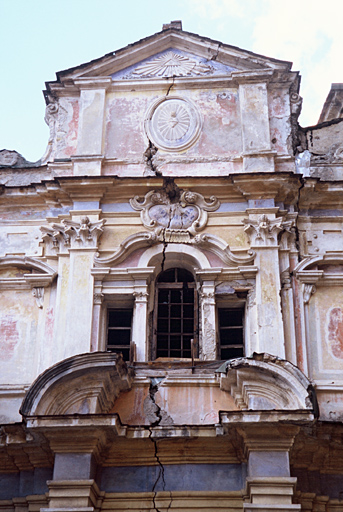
(205, 48)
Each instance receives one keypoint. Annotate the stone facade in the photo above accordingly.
(171, 320)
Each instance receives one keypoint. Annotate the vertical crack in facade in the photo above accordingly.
(148, 156)
(171, 86)
(173, 192)
(158, 413)
(165, 245)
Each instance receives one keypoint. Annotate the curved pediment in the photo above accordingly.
(324, 269)
(204, 241)
(82, 384)
(264, 382)
(30, 272)
(313, 262)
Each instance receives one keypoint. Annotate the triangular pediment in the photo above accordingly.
(173, 52)
(173, 63)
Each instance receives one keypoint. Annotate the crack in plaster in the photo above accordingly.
(171, 85)
(165, 245)
(296, 228)
(214, 57)
(149, 155)
(174, 193)
(159, 417)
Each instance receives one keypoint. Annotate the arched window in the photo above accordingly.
(176, 318)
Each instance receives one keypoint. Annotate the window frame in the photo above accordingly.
(230, 305)
(195, 334)
(122, 306)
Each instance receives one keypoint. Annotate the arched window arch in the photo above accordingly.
(175, 313)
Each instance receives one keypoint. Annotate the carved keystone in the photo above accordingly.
(174, 221)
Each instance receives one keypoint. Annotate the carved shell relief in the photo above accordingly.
(174, 221)
(173, 124)
(171, 64)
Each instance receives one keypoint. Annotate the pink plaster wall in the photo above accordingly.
(72, 130)
(180, 405)
(279, 120)
(220, 135)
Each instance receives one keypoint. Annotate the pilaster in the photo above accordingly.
(269, 486)
(91, 126)
(263, 228)
(306, 285)
(74, 242)
(288, 258)
(257, 154)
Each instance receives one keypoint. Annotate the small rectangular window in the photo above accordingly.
(231, 336)
(119, 331)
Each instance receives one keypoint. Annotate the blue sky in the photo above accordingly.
(38, 38)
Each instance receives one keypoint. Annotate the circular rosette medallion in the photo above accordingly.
(173, 124)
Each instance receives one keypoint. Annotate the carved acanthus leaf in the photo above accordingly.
(264, 231)
(58, 237)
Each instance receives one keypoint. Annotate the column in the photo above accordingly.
(288, 317)
(95, 334)
(98, 341)
(208, 348)
(140, 323)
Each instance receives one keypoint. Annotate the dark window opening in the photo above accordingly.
(176, 318)
(231, 337)
(119, 331)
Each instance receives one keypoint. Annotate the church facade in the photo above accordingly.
(171, 273)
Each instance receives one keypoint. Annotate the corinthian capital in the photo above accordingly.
(264, 231)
